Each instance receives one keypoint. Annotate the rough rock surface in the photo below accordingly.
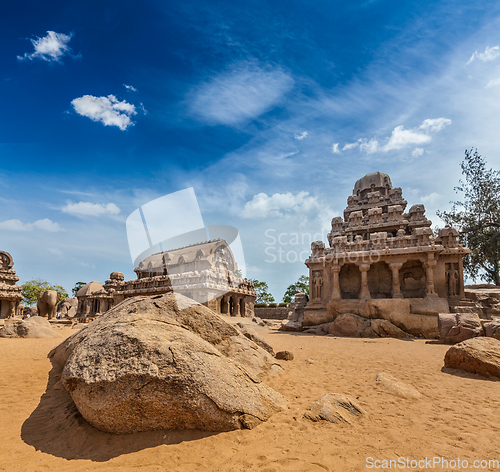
(288, 325)
(161, 363)
(253, 336)
(385, 329)
(457, 327)
(285, 355)
(35, 327)
(492, 329)
(397, 387)
(68, 307)
(335, 408)
(477, 355)
(351, 325)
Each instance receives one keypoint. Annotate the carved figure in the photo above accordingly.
(47, 303)
(317, 285)
(452, 282)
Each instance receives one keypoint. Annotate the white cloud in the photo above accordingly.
(301, 136)
(91, 209)
(493, 83)
(369, 146)
(239, 95)
(434, 125)
(17, 225)
(401, 137)
(335, 148)
(489, 54)
(350, 146)
(278, 205)
(130, 87)
(417, 152)
(50, 48)
(107, 110)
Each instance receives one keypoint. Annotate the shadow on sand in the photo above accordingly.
(57, 428)
(466, 375)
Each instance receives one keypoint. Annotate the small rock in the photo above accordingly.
(289, 325)
(457, 327)
(397, 387)
(335, 408)
(257, 320)
(284, 355)
(309, 361)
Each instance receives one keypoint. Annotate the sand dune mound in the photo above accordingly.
(161, 363)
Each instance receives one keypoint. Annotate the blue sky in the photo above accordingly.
(270, 110)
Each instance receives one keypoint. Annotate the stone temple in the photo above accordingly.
(10, 293)
(205, 272)
(383, 259)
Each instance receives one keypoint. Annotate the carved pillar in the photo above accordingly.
(236, 306)
(429, 276)
(364, 293)
(336, 294)
(396, 289)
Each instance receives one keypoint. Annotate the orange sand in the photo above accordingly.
(456, 417)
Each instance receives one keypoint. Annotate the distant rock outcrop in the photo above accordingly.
(164, 362)
(34, 327)
(477, 355)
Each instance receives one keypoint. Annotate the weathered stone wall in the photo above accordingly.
(272, 313)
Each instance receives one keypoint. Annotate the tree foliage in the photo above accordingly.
(302, 285)
(477, 217)
(77, 287)
(31, 290)
(262, 290)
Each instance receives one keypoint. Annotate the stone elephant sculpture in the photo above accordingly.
(47, 303)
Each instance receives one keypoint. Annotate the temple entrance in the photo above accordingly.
(231, 306)
(412, 279)
(350, 281)
(380, 280)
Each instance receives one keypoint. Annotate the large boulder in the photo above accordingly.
(164, 362)
(477, 355)
(351, 325)
(492, 329)
(34, 327)
(457, 327)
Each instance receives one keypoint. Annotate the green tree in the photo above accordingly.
(302, 285)
(77, 287)
(262, 290)
(477, 217)
(31, 289)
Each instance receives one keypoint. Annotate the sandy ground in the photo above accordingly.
(456, 417)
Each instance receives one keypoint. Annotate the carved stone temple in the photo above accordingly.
(384, 262)
(205, 272)
(10, 293)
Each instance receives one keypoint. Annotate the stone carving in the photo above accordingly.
(47, 303)
(10, 293)
(317, 284)
(205, 272)
(377, 251)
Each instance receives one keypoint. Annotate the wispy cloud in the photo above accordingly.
(239, 95)
(50, 48)
(130, 88)
(108, 110)
(278, 205)
(493, 83)
(91, 209)
(335, 148)
(301, 136)
(18, 225)
(417, 152)
(489, 54)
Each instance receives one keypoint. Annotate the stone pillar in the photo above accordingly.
(236, 306)
(336, 294)
(396, 289)
(364, 293)
(429, 276)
